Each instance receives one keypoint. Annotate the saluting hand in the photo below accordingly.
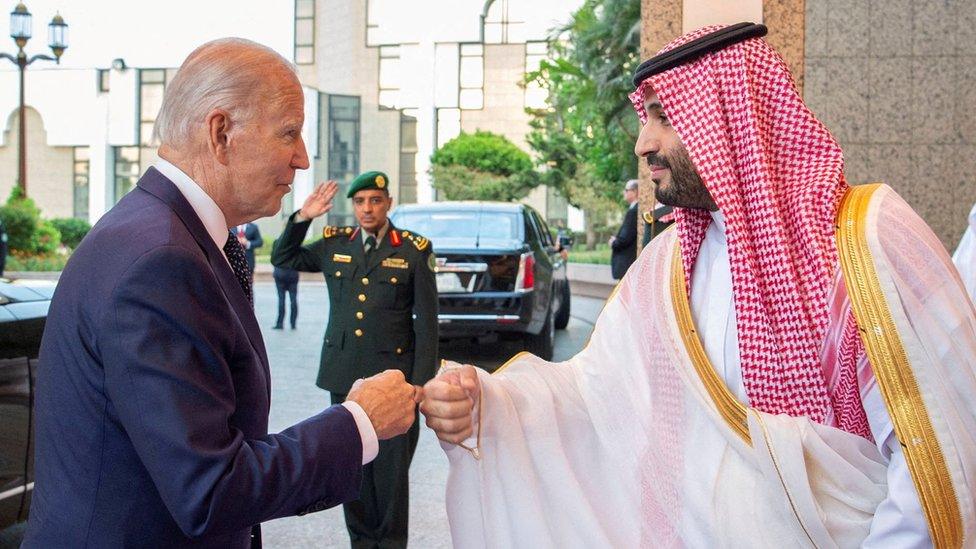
(449, 402)
(320, 201)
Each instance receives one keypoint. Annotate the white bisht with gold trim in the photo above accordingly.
(635, 441)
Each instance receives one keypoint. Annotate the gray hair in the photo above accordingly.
(222, 74)
(631, 185)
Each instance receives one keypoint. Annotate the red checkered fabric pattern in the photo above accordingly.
(777, 175)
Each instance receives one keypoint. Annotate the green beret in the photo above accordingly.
(369, 180)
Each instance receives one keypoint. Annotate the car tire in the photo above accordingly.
(562, 315)
(542, 345)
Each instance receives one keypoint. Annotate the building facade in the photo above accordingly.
(384, 86)
(893, 81)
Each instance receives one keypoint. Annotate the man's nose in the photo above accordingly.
(300, 158)
(647, 142)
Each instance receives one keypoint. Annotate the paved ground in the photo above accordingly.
(294, 356)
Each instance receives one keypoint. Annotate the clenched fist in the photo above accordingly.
(389, 402)
(449, 402)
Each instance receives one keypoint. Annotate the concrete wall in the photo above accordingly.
(895, 82)
(49, 169)
(504, 111)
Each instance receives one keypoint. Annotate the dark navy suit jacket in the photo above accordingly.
(153, 393)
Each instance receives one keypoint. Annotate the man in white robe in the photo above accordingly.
(792, 366)
(965, 255)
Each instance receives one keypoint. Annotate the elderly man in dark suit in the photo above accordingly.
(153, 388)
(623, 246)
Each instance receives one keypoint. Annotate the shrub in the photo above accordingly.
(484, 152)
(461, 183)
(18, 262)
(72, 230)
(20, 217)
(46, 239)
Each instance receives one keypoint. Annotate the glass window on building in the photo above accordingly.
(80, 179)
(505, 22)
(304, 32)
(126, 171)
(152, 84)
(408, 157)
(535, 95)
(391, 77)
(103, 80)
(343, 150)
(471, 77)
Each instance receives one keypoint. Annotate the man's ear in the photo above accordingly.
(218, 140)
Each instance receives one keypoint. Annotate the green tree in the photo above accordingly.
(27, 233)
(482, 166)
(584, 139)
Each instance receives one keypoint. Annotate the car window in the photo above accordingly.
(460, 224)
(543, 229)
(538, 227)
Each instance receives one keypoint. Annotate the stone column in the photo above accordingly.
(660, 23)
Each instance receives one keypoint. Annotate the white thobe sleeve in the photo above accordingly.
(965, 256)
(899, 520)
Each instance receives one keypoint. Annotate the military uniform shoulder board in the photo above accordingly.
(330, 230)
(648, 217)
(418, 241)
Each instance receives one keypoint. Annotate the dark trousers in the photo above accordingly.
(291, 288)
(378, 519)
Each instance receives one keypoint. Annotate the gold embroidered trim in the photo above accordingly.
(892, 369)
(733, 411)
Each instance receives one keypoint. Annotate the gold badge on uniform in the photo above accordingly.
(395, 262)
(341, 258)
(380, 181)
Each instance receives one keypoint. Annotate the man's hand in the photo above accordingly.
(389, 402)
(612, 240)
(449, 400)
(320, 201)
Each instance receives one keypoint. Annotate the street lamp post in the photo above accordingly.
(20, 31)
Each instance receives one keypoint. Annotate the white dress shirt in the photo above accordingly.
(899, 520)
(216, 225)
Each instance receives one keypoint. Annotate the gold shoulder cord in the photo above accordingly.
(733, 411)
(892, 369)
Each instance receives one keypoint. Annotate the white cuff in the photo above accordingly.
(299, 218)
(371, 445)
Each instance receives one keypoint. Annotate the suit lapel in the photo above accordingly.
(159, 186)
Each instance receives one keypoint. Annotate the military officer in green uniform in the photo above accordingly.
(383, 314)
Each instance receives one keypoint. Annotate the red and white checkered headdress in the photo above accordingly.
(776, 173)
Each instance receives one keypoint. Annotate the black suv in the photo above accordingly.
(23, 312)
(499, 270)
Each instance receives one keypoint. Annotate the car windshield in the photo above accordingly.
(482, 225)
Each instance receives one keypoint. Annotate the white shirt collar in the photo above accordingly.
(206, 209)
(717, 229)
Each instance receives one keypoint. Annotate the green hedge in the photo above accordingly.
(72, 230)
(53, 262)
(599, 256)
